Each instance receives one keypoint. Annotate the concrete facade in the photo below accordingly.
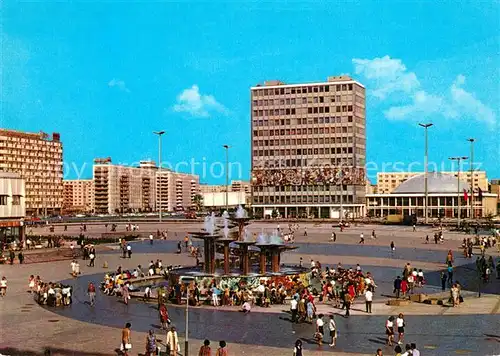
(78, 196)
(37, 158)
(121, 189)
(309, 148)
(12, 207)
(388, 181)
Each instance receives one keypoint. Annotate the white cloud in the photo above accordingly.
(120, 84)
(388, 77)
(388, 74)
(190, 100)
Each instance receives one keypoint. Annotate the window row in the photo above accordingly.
(302, 188)
(306, 100)
(310, 110)
(280, 163)
(304, 141)
(302, 199)
(304, 90)
(303, 121)
(308, 131)
(305, 151)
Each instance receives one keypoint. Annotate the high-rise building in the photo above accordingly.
(119, 189)
(37, 158)
(78, 196)
(388, 181)
(308, 148)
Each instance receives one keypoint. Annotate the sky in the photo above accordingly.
(106, 74)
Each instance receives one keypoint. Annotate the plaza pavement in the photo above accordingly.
(77, 330)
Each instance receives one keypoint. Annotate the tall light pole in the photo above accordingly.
(459, 160)
(226, 147)
(159, 134)
(426, 164)
(471, 162)
(341, 194)
(187, 281)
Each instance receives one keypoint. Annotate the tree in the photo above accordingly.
(198, 202)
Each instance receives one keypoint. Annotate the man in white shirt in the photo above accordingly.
(414, 351)
(293, 309)
(151, 239)
(368, 300)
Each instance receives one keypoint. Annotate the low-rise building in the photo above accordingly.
(12, 207)
(445, 192)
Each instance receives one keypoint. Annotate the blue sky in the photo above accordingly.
(106, 74)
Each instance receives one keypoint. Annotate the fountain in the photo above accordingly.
(242, 248)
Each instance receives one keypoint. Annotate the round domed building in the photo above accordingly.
(443, 189)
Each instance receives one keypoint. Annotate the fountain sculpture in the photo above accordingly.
(238, 246)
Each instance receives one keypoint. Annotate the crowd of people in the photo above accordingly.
(50, 293)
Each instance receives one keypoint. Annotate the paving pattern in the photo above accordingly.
(471, 329)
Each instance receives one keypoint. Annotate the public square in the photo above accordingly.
(79, 329)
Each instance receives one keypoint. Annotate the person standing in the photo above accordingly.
(151, 239)
(393, 247)
(126, 344)
(12, 256)
(151, 346)
(347, 304)
(444, 278)
(368, 300)
(450, 275)
(333, 331)
(3, 286)
(91, 291)
(334, 237)
(164, 320)
(305, 230)
(414, 351)
(397, 286)
(173, 342)
(20, 256)
(297, 350)
(222, 350)
(294, 309)
(400, 323)
(129, 251)
(205, 349)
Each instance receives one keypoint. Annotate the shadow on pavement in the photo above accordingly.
(9, 351)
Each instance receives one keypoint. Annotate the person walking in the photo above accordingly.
(305, 230)
(368, 300)
(320, 329)
(333, 331)
(173, 346)
(205, 349)
(389, 330)
(20, 256)
(129, 251)
(164, 319)
(297, 350)
(92, 257)
(400, 323)
(222, 350)
(151, 237)
(397, 286)
(334, 237)
(347, 304)
(444, 278)
(126, 344)
(151, 344)
(91, 292)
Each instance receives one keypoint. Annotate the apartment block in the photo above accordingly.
(78, 196)
(12, 207)
(388, 181)
(120, 189)
(308, 148)
(37, 158)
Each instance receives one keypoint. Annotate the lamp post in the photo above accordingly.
(226, 147)
(187, 281)
(426, 164)
(459, 160)
(341, 195)
(471, 162)
(159, 134)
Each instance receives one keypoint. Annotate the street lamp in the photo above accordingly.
(159, 134)
(459, 160)
(226, 147)
(471, 140)
(426, 164)
(187, 281)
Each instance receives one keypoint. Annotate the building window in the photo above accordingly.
(3, 199)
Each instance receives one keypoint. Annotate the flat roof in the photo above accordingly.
(307, 84)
